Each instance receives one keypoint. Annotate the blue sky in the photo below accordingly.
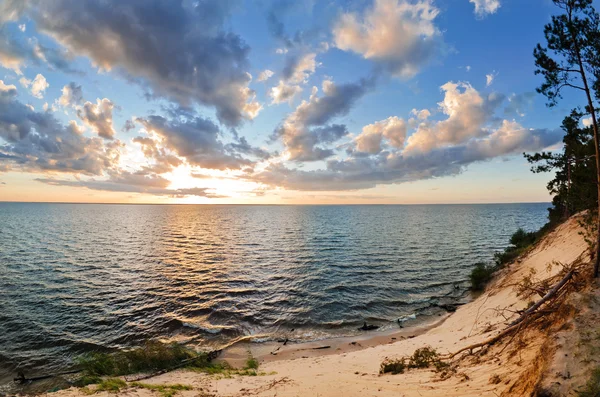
(366, 101)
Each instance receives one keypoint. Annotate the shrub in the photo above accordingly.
(389, 366)
(425, 357)
(481, 275)
(522, 239)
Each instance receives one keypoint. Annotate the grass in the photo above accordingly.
(111, 385)
(252, 363)
(592, 387)
(425, 357)
(164, 390)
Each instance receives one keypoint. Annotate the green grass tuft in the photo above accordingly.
(252, 363)
(164, 390)
(113, 385)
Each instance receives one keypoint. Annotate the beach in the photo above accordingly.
(354, 371)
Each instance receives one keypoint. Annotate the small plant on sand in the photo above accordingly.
(252, 363)
(112, 385)
(425, 357)
(481, 275)
(164, 390)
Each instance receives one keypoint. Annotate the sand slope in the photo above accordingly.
(356, 373)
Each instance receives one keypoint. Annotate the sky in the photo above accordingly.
(273, 101)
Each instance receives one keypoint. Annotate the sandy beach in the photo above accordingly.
(350, 366)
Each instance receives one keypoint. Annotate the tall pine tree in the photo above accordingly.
(570, 60)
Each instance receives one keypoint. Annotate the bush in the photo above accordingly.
(481, 275)
(393, 367)
(522, 239)
(425, 357)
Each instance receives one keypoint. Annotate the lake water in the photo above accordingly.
(75, 278)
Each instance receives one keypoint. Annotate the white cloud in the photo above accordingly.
(399, 34)
(299, 69)
(265, 75)
(468, 112)
(22, 27)
(485, 7)
(587, 122)
(489, 78)
(72, 95)
(421, 114)
(284, 92)
(24, 82)
(99, 117)
(370, 140)
(39, 85)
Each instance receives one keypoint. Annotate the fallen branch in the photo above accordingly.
(546, 298)
(527, 315)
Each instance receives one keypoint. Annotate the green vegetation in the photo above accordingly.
(481, 275)
(425, 357)
(252, 363)
(520, 242)
(569, 60)
(164, 390)
(153, 356)
(111, 385)
(592, 387)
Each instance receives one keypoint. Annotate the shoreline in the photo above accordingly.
(272, 351)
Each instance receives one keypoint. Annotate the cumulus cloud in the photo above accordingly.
(265, 75)
(35, 141)
(587, 122)
(38, 85)
(180, 50)
(72, 95)
(381, 154)
(398, 34)
(393, 130)
(99, 117)
(305, 130)
(299, 68)
(284, 92)
(485, 7)
(195, 139)
(468, 112)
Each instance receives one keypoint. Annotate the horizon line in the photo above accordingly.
(265, 204)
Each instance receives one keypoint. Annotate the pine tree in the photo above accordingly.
(573, 39)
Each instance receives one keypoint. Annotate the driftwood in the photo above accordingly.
(546, 298)
(526, 316)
